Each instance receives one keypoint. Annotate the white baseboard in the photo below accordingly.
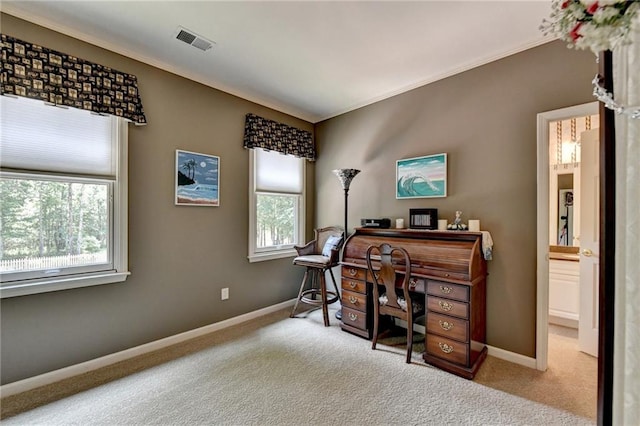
(94, 364)
(512, 357)
(565, 322)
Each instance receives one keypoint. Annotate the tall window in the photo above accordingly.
(276, 196)
(63, 198)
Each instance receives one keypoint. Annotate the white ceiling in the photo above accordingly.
(310, 59)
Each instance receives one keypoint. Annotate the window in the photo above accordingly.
(63, 189)
(276, 203)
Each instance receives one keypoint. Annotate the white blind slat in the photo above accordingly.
(277, 172)
(64, 140)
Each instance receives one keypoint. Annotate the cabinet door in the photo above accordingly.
(564, 289)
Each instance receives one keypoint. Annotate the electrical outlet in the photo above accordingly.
(224, 293)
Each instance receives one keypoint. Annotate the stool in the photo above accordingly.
(318, 287)
(318, 256)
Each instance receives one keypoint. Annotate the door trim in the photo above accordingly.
(542, 268)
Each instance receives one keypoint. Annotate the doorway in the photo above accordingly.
(552, 231)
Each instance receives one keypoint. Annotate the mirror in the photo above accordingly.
(565, 210)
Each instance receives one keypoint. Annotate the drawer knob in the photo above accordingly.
(353, 300)
(447, 349)
(446, 325)
(413, 282)
(353, 317)
(445, 306)
(445, 289)
(352, 284)
(352, 272)
(446, 275)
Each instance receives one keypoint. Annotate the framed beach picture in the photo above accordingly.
(197, 179)
(422, 177)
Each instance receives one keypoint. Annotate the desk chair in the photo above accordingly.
(318, 256)
(390, 302)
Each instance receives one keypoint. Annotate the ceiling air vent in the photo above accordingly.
(194, 39)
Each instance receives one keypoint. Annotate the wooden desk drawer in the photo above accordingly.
(447, 349)
(350, 272)
(448, 307)
(453, 328)
(450, 275)
(354, 285)
(354, 300)
(448, 290)
(354, 318)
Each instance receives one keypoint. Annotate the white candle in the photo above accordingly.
(474, 225)
(399, 223)
(442, 224)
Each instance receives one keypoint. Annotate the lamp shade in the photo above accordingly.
(346, 176)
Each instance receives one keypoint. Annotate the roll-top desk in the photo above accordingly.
(449, 269)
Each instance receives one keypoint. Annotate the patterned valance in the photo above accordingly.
(273, 136)
(33, 71)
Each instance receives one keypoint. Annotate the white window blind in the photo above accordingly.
(63, 140)
(276, 172)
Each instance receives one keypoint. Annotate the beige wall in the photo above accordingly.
(485, 120)
(180, 257)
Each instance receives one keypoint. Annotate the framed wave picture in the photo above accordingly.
(422, 177)
(197, 179)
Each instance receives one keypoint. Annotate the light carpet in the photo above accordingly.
(293, 372)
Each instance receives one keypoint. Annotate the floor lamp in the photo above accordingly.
(345, 176)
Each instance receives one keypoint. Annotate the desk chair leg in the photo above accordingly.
(376, 319)
(304, 281)
(409, 336)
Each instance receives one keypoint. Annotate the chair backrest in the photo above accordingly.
(386, 274)
(322, 235)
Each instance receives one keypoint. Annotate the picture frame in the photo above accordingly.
(421, 177)
(423, 218)
(197, 179)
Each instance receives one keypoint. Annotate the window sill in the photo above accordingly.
(60, 283)
(272, 255)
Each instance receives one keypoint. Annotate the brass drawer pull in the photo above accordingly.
(352, 272)
(352, 284)
(446, 325)
(353, 317)
(445, 348)
(445, 289)
(353, 300)
(445, 306)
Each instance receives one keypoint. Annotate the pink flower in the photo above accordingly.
(592, 8)
(574, 32)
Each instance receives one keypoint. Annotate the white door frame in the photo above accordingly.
(542, 269)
